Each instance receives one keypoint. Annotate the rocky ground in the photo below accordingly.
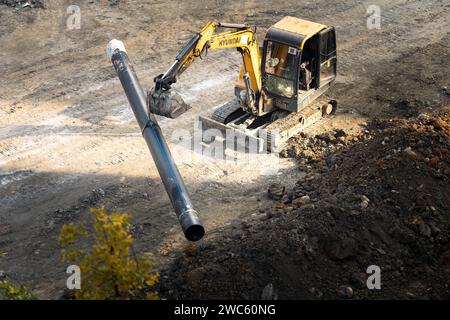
(69, 141)
(380, 198)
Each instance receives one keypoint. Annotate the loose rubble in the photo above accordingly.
(384, 201)
(24, 4)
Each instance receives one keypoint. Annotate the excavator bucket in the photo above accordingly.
(169, 104)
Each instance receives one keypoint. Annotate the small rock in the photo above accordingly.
(2, 275)
(285, 199)
(434, 228)
(4, 229)
(273, 214)
(51, 223)
(339, 133)
(289, 209)
(445, 257)
(359, 279)
(269, 293)
(301, 201)
(195, 277)
(434, 161)
(276, 191)
(279, 205)
(425, 230)
(438, 124)
(316, 292)
(345, 292)
(344, 249)
(410, 152)
(422, 116)
(364, 202)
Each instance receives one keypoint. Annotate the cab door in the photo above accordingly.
(327, 56)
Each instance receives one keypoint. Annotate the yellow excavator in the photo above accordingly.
(280, 87)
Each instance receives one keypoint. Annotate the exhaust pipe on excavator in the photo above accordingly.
(168, 171)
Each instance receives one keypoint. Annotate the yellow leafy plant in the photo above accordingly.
(11, 291)
(109, 267)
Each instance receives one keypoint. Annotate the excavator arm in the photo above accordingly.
(241, 37)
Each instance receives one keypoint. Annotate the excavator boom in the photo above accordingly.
(241, 37)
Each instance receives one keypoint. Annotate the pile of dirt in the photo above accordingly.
(381, 198)
(312, 149)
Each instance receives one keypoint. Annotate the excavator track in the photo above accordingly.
(278, 132)
(223, 113)
(271, 136)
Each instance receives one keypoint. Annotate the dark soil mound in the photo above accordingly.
(382, 199)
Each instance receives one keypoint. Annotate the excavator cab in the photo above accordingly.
(298, 63)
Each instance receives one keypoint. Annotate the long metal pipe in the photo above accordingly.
(168, 171)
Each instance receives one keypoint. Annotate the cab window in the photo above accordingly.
(281, 69)
(281, 60)
(327, 54)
